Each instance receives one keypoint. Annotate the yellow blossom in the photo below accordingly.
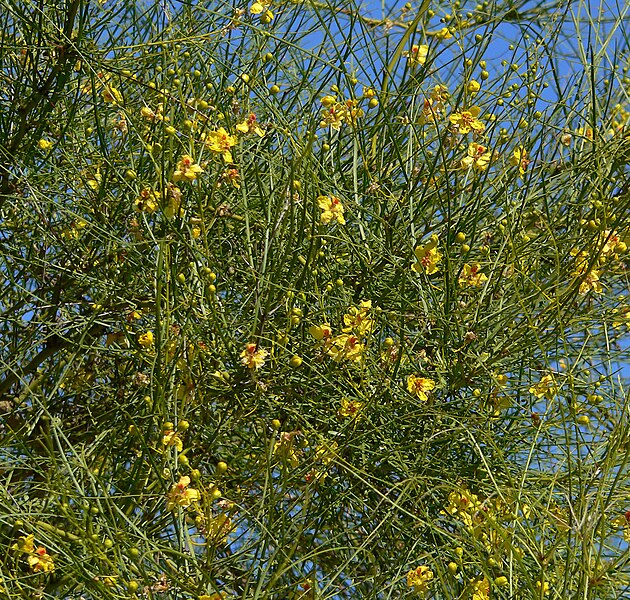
(25, 543)
(44, 144)
(623, 521)
(346, 346)
(249, 125)
(259, 7)
(153, 115)
(471, 276)
(586, 272)
(41, 561)
(181, 495)
(111, 95)
(221, 142)
(417, 55)
(285, 449)
(333, 116)
(331, 208)
(38, 558)
(147, 201)
(443, 34)
(546, 387)
(480, 589)
(466, 121)
(358, 320)
(328, 101)
(218, 529)
(320, 332)
(542, 587)
(428, 257)
(253, 357)
(187, 169)
(174, 201)
(519, 159)
(351, 409)
(478, 157)
(172, 438)
(419, 579)
(420, 386)
(146, 339)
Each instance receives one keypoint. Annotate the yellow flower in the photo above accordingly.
(220, 141)
(588, 274)
(41, 561)
(147, 201)
(331, 208)
(542, 587)
(187, 169)
(320, 332)
(333, 116)
(38, 558)
(519, 159)
(473, 86)
(146, 339)
(172, 438)
(259, 6)
(25, 543)
(111, 95)
(478, 157)
(471, 276)
(480, 589)
(623, 521)
(622, 317)
(174, 198)
(217, 596)
(181, 495)
(346, 346)
(250, 126)
(253, 357)
(218, 529)
(462, 502)
(443, 34)
(417, 55)
(419, 579)
(351, 409)
(44, 144)
(428, 257)
(328, 101)
(420, 386)
(466, 121)
(546, 387)
(285, 450)
(152, 115)
(357, 320)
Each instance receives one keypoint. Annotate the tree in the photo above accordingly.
(304, 302)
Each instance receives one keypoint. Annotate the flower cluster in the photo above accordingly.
(428, 257)
(419, 579)
(335, 113)
(253, 357)
(332, 209)
(181, 495)
(38, 559)
(350, 344)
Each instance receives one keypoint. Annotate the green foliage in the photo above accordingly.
(302, 303)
